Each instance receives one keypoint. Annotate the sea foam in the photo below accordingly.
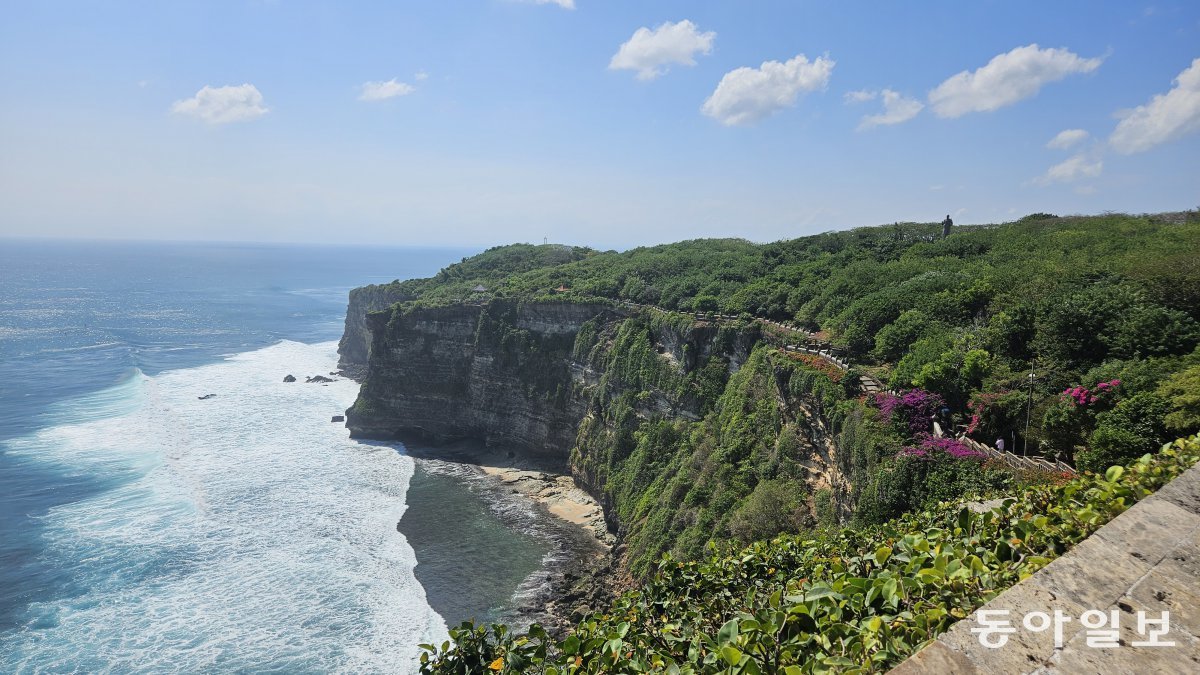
(244, 532)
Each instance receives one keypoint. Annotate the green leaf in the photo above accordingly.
(731, 655)
(820, 592)
(882, 554)
(612, 647)
(728, 632)
(930, 574)
(1114, 473)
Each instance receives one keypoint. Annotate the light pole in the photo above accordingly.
(1028, 409)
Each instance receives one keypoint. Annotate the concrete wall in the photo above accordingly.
(1146, 559)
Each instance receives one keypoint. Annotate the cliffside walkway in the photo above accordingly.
(814, 346)
(1017, 461)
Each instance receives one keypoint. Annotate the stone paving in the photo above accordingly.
(1146, 560)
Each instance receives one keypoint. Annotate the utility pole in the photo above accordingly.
(1029, 407)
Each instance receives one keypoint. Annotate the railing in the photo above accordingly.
(1016, 461)
(816, 347)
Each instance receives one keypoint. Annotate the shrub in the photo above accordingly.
(1182, 393)
(912, 412)
(1131, 429)
(775, 506)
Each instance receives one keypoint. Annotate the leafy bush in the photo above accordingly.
(912, 412)
(1182, 393)
(1132, 428)
(773, 507)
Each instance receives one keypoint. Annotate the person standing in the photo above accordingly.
(946, 225)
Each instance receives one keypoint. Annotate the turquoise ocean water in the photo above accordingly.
(144, 529)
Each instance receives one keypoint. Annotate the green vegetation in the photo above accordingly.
(846, 602)
(967, 317)
(680, 444)
(1076, 339)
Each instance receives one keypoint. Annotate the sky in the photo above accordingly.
(595, 122)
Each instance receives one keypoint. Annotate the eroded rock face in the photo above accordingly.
(500, 373)
(355, 345)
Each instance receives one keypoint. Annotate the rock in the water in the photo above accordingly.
(338, 418)
(206, 397)
(317, 378)
(290, 378)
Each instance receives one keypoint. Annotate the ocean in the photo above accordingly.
(144, 528)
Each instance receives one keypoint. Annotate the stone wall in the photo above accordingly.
(1146, 559)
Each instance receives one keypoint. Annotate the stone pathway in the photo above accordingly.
(814, 346)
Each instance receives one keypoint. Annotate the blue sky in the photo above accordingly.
(596, 122)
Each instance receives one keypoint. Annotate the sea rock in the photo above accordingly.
(338, 418)
(290, 378)
(317, 378)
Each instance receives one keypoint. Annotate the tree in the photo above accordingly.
(1132, 429)
(1182, 393)
(775, 506)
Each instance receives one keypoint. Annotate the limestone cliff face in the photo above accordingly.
(354, 347)
(499, 372)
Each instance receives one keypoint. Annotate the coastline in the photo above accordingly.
(578, 574)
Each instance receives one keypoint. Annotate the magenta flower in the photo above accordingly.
(929, 447)
(1082, 397)
(914, 409)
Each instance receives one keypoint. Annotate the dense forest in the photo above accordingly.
(1070, 338)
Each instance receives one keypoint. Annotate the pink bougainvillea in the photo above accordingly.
(914, 409)
(978, 404)
(929, 447)
(1082, 397)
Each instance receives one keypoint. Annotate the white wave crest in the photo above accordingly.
(244, 532)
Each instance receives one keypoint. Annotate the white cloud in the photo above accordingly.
(565, 4)
(421, 76)
(1079, 166)
(746, 95)
(221, 105)
(1165, 118)
(649, 51)
(378, 91)
(1067, 139)
(860, 96)
(896, 109)
(1006, 79)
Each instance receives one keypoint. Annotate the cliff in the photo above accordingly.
(498, 372)
(673, 424)
(354, 347)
